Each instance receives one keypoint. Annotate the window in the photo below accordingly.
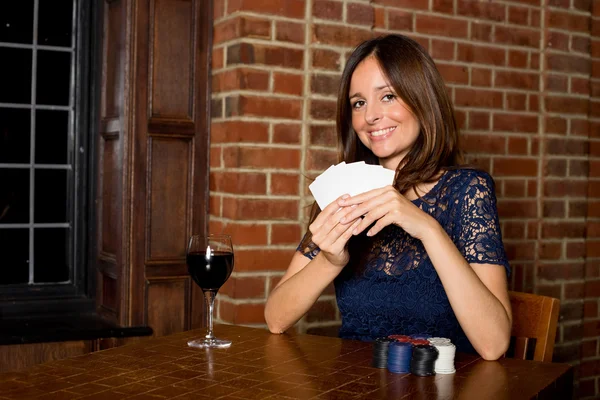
(45, 48)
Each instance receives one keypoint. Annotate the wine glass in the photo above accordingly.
(210, 263)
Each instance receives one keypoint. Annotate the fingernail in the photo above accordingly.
(369, 233)
(355, 231)
(345, 196)
(343, 220)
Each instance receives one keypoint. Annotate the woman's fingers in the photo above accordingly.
(347, 234)
(363, 197)
(369, 218)
(380, 224)
(383, 207)
(334, 246)
(384, 199)
(333, 226)
(338, 246)
(328, 230)
(338, 230)
(325, 214)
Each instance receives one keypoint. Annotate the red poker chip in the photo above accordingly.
(400, 338)
(417, 342)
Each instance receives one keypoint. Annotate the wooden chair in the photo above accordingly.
(534, 317)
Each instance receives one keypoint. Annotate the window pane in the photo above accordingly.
(51, 255)
(53, 78)
(14, 196)
(50, 195)
(51, 136)
(16, 21)
(55, 23)
(15, 76)
(14, 247)
(14, 135)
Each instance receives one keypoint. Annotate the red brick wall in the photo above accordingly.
(524, 76)
(590, 364)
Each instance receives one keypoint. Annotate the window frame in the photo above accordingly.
(79, 294)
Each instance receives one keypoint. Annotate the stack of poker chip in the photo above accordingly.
(399, 357)
(424, 357)
(445, 361)
(380, 352)
(419, 354)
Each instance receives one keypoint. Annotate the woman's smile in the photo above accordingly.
(382, 133)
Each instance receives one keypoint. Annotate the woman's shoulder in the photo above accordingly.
(468, 175)
(463, 180)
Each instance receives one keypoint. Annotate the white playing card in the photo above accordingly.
(327, 171)
(324, 191)
(353, 179)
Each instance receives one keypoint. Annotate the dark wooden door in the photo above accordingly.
(152, 159)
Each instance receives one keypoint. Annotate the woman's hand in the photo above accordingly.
(332, 236)
(386, 206)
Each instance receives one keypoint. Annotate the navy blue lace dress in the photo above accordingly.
(390, 285)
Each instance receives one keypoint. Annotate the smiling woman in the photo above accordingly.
(421, 256)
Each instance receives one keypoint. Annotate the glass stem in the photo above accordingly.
(209, 297)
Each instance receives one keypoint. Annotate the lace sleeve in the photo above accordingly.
(480, 238)
(309, 251)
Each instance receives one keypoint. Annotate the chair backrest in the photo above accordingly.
(534, 317)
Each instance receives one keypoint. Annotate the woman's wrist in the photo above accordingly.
(326, 263)
(433, 233)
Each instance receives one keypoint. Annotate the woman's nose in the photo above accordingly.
(373, 114)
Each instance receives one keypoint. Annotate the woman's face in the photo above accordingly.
(382, 121)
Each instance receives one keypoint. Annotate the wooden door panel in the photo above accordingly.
(112, 58)
(171, 59)
(168, 305)
(109, 185)
(168, 198)
(110, 292)
(111, 160)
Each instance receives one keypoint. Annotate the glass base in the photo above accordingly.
(209, 343)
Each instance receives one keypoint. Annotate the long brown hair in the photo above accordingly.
(414, 77)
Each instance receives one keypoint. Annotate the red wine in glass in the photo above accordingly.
(210, 263)
(210, 271)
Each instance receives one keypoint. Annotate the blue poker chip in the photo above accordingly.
(399, 357)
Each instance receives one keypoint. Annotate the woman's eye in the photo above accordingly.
(358, 104)
(388, 97)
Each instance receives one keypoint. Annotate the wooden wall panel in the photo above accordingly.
(172, 49)
(19, 357)
(197, 308)
(109, 185)
(168, 197)
(114, 50)
(112, 162)
(109, 293)
(167, 303)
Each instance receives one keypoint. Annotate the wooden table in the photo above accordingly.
(260, 365)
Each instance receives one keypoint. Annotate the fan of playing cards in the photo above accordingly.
(354, 178)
